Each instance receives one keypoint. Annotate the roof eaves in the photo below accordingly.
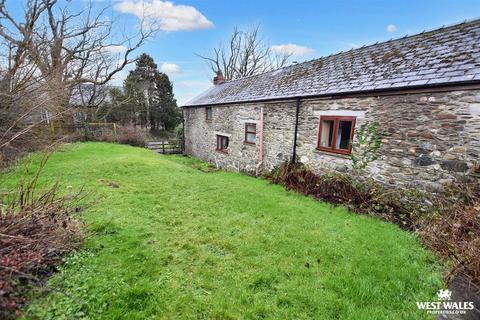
(430, 85)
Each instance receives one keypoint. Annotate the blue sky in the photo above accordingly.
(319, 27)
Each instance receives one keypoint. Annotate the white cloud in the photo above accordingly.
(115, 49)
(165, 14)
(292, 49)
(391, 28)
(170, 68)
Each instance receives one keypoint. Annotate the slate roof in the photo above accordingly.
(443, 56)
(82, 94)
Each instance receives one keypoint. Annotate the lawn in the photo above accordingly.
(176, 242)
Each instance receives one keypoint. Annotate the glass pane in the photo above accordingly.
(326, 136)
(343, 136)
(224, 143)
(251, 137)
(209, 113)
(251, 127)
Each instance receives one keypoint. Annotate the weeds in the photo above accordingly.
(36, 230)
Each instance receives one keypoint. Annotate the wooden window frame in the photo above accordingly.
(219, 137)
(336, 121)
(206, 113)
(247, 132)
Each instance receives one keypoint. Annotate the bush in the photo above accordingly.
(36, 230)
(453, 230)
(448, 223)
(179, 131)
(131, 135)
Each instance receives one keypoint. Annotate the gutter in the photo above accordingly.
(424, 88)
(260, 145)
(297, 110)
(183, 131)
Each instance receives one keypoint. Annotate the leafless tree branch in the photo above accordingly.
(246, 53)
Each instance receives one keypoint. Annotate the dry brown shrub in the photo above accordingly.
(453, 231)
(131, 135)
(36, 230)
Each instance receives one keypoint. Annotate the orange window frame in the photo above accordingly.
(336, 121)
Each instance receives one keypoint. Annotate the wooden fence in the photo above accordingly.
(165, 146)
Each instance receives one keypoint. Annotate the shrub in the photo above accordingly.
(453, 230)
(131, 135)
(179, 131)
(36, 230)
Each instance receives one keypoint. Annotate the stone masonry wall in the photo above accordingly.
(429, 137)
(200, 134)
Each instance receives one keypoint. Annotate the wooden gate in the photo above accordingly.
(165, 146)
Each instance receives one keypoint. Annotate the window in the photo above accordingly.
(222, 143)
(336, 134)
(250, 133)
(208, 113)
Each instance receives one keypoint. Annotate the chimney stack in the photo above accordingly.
(219, 78)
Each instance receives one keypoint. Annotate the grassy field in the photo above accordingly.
(175, 242)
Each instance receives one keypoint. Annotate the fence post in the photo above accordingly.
(163, 146)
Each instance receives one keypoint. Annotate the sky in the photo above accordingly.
(306, 28)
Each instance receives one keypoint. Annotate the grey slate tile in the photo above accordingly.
(450, 54)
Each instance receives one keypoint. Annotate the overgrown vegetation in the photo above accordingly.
(448, 223)
(36, 230)
(132, 136)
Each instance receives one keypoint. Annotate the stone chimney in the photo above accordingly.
(219, 78)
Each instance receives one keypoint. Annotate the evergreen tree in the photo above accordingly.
(148, 98)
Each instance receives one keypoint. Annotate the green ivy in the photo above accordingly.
(365, 147)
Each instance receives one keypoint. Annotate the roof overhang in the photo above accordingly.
(431, 88)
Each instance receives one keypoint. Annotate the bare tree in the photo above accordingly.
(67, 47)
(52, 50)
(246, 53)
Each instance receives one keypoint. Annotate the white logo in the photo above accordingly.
(444, 294)
(444, 305)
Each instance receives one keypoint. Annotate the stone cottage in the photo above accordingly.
(423, 91)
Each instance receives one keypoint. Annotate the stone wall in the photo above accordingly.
(229, 120)
(428, 138)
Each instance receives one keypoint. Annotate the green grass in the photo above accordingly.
(175, 242)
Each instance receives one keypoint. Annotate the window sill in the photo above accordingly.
(333, 154)
(249, 143)
(222, 151)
